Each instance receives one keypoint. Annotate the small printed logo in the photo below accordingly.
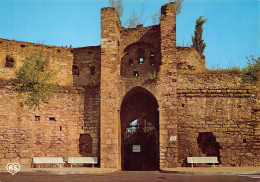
(12, 168)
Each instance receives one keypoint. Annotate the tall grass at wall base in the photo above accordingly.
(235, 70)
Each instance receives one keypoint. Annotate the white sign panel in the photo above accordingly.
(136, 148)
(173, 138)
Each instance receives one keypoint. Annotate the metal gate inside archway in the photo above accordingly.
(139, 131)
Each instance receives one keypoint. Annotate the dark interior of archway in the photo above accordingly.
(139, 131)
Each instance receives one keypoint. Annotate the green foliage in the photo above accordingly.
(33, 79)
(252, 71)
(236, 70)
(185, 72)
(198, 42)
(231, 71)
(152, 76)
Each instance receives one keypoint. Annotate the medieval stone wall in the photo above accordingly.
(146, 39)
(167, 78)
(60, 59)
(256, 120)
(110, 134)
(149, 35)
(87, 73)
(51, 130)
(209, 81)
(140, 60)
(190, 59)
(113, 86)
(219, 106)
(85, 120)
(92, 119)
(86, 66)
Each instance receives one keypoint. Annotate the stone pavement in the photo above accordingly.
(180, 170)
(214, 170)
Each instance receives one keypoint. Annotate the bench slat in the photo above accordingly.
(202, 160)
(48, 160)
(88, 160)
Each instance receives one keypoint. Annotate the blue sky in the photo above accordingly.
(231, 33)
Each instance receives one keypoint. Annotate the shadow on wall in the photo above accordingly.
(85, 145)
(208, 144)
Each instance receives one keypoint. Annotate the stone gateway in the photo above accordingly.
(127, 103)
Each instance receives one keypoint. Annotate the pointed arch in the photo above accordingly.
(139, 117)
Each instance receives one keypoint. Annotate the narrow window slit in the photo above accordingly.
(141, 60)
(75, 70)
(136, 73)
(37, 118)
(9, 62)
(52, 118)
(140, 53)
(92, 70)
(131, 62)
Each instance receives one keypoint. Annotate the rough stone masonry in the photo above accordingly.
(200, 114)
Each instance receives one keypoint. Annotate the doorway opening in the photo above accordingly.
(139, 131)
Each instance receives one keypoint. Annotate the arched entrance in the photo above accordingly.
(139, 131)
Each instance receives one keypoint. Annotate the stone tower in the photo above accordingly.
(109, 122)
(115, 83)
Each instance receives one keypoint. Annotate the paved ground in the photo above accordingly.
(214, 170)
(196, 174)
(180, 170)
(136, 176)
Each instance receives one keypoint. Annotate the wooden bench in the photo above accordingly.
(207, 160)
(48, 160)
(82, 160)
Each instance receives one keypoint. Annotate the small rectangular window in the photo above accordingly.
(141, 60)
(52, 118)
(92, 70)
(9, 62)
(60, 128)
(131, 62)
(136, 73)
(37, 118)
(75, 70)
(152, 61)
